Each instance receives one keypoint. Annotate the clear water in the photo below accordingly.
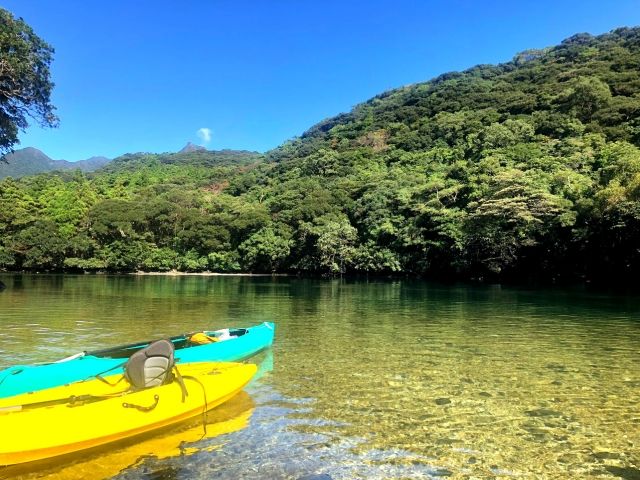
(377, 379)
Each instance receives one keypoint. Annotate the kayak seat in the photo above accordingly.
(151, 366)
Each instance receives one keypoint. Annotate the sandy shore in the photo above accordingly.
(176, 273)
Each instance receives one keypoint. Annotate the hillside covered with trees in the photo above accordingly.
(527, 169)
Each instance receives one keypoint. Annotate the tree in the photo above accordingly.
(114, 220)
(25, 85)
(266, 249)
(335, 238)
(40, 245)
(588, 95)
(515, 214)
(201, 233)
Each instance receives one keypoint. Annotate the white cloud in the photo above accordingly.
(204, 134)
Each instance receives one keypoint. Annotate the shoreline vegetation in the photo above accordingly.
(524, 171)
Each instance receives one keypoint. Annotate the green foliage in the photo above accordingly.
(265, 250)
(124, 255)
(7, 260)
(227, 262)
(516, 212)
(586, 96)
(160, 260)
(25, 86)
(38, 246)
(334, 239)
(87, 265)
(193, 262)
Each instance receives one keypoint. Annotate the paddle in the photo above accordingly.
(133, 346)
(125, 350)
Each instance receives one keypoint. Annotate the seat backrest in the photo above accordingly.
(151, 366)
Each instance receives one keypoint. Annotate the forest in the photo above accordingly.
(526, 170)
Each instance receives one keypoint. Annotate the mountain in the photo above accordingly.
(585, 84)
(31, 161)
(190, 147)
(523, 171)
(89, 165)
(526, 169)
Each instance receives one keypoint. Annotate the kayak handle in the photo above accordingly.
(143, 408)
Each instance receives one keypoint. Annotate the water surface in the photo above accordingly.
(367, 379)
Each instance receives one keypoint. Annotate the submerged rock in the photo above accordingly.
(627, 473)
(442, 401)
(543, 412)
(557, 367)
(314, 476)
(606, 455)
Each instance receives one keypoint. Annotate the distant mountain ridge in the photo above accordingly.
(31, 161)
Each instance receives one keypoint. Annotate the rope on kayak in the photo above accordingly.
(104, 380)
(143, 408)
(204, 407)
(179, 379)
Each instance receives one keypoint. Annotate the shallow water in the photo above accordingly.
(378, 379)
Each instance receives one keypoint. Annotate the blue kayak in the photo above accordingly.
(228, 345)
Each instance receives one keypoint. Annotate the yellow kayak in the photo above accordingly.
(82, 415)
(180, 439)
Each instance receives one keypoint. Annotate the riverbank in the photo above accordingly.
(177, 273)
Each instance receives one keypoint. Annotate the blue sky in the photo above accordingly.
(144, 75)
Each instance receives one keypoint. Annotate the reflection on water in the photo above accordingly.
(181, 441)
(386, 379)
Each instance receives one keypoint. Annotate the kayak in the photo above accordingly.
(83, 415)
(180, 439)
(234, 344)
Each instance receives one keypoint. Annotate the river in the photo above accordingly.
(366, 379)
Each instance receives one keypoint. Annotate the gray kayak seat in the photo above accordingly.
(151, 366)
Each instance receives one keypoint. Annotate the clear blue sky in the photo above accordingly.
(146, 75)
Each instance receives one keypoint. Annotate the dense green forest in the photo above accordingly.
(527, 169)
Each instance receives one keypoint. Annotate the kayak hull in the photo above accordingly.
(38, 432)
(25, 378)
